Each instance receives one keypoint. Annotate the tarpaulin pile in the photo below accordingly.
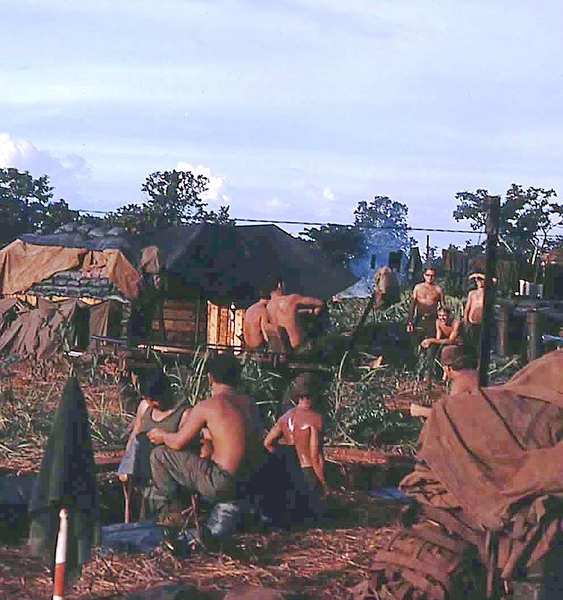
(487, 486)
(45, 330)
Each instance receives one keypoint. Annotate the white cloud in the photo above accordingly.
(275, 205)
(328, 194)
(66, 174)
(216, 192)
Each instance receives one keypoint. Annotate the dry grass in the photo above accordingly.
(318, 563)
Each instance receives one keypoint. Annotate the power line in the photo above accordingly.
(322, 224)
(407, 228)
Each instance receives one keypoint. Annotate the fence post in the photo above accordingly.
(502, 330)
(493, 219)
(533, 334)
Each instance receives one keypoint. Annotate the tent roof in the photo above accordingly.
(90, 238)
(360, 289)
(224, 261)
(228, 261)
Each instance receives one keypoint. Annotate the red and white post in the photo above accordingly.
(60, 556)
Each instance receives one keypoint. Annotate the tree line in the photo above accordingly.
(528, 217)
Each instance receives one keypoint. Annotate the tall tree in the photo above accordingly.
(341, 243)
(384, 225)
(172, 198)
(26, 205)
(527, 218)
(380, 227)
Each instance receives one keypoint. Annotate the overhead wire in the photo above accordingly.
(325, 224)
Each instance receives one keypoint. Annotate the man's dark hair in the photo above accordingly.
(271, 283)
(452, 356)
(224, 368)
(155, 386)
(264, 292)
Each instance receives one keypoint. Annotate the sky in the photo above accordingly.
(296, 110)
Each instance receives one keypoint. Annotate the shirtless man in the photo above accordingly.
(473, 316)
(424, 303)
(283, 313)
(473, 313)
(255, 320)
(448, 330)
(462, 380)
(231, 424)
(302, 427)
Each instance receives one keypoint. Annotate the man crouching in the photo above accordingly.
(229, 419)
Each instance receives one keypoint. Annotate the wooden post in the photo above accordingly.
(493, 218)
(428, 251)
(533, 334)
(197, 318)
(502, 330)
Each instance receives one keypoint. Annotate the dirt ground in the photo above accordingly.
(315, 562)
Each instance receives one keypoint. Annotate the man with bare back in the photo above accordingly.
(230, 420)
(423, 309)
(283, 312)
(461, 379)
(302, 427)
(255, 322)
(473, 316)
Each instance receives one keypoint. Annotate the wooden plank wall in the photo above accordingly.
(224, 325)
(180, 322)
(219, 325)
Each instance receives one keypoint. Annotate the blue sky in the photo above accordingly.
(296, 109)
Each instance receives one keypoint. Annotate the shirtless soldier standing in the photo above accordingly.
(302, 427)
(472, 318)
(283, 313)
(424, 303)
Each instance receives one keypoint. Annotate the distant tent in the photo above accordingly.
(360, 289)
(45, 330)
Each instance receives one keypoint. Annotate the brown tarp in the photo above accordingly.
(39, 331)
(495, 455)
(151, 260)
(112, 264)
(23, 264)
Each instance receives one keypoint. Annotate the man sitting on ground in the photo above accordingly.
(302, 427)
(230, 419)
(448, 332)
(156, 409)
(461, 380)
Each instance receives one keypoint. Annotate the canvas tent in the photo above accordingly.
(83, 257)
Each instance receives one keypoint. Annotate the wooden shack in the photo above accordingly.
(185, 286)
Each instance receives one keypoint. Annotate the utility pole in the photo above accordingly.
(492, 227)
